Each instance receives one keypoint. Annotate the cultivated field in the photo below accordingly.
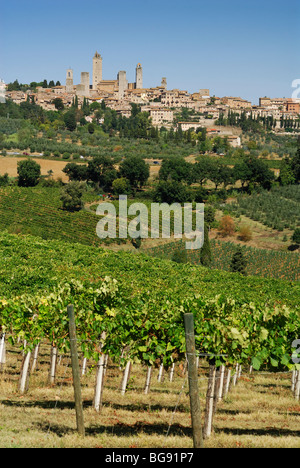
(9, 165)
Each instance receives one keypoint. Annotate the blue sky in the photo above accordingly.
(246, 48)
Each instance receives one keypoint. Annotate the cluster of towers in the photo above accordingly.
(99, 85)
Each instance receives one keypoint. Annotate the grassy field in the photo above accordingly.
(259, 412)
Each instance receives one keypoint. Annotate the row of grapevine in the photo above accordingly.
(260, 262)
(148, 328)
(219, 380)
(31, 212)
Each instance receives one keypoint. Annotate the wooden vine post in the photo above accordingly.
(193, 380)
(75, 371)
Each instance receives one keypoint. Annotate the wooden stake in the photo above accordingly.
(209, 410)
(25, 373)
(148, 380)
(193, 380)
(75, 371)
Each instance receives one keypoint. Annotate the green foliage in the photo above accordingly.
(4, 180)
(42, 206)
(121, 186)
(149, 326)
(70, 120)
(260, 262)
(58, 102)
(29, 172)
(277, 208)
(101, 171)
(251, 321)
(76, 171)
(179, 256)
(71, 196)
(169, 191)
(296, 236)
(176, 169)
(238, 262)
(134, 169)
(205, 252)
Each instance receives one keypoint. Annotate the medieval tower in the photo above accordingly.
(69, 81)
(139, 76)
(97, 70)
(122, 83)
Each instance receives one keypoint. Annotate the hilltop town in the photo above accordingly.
(160, 102)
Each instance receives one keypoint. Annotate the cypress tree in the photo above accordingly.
(205, 252)
(238, 262)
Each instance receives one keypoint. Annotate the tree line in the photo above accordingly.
(257, 123)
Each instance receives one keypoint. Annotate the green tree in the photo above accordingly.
(205, 252)
(4, 180)
(101, 171)
(295, 162)
(29, 173)
(135, 170)
(58, 102)
(176, 168)
(296, 236)
(202, 169)
(91, 128)
(70, 120)
(76, 171)
(171, 191)
(219, 173)
(287, 176)
(242, 172)
(209, 215)
(121, 186)
(71, 196)
(238, 262)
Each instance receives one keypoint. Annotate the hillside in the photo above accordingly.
(37, 211)
(32, 264)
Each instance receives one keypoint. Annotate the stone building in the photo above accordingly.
(122, 83)
(139, 76)
(100, 88)
(83, 89)
(69, 81)
(97, 70)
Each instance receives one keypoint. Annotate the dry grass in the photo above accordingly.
(262, 236)
(9, 165)
(259, 412)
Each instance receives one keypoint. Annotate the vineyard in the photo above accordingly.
(259, 411)
(241, 324)
(260, 262)
(37, 211)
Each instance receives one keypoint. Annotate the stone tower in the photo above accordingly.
(164, 82)
(122, 83)
(85, 83)
(69, 81)
(97, 70)
(139, 76)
